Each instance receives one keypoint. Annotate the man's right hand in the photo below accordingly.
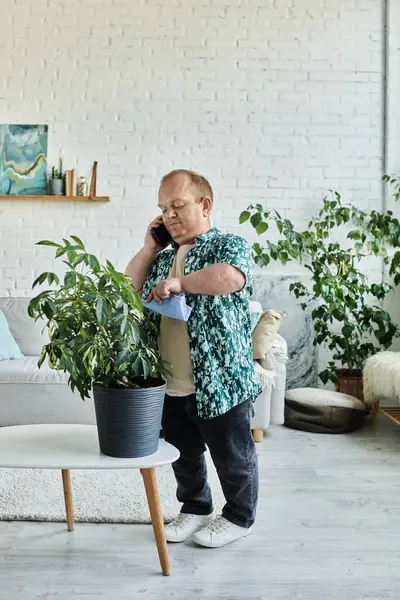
(150, 243)
(139, 266)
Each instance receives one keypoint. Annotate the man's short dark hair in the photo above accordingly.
(201, 183)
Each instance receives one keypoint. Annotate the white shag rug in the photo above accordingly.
(109, 496)
(381, 377)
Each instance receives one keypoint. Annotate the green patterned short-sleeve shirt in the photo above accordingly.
(219, 327)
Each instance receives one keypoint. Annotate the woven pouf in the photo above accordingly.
(323, 411)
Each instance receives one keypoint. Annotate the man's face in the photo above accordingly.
(184, 214)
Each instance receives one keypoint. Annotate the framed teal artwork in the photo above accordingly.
(23, 160)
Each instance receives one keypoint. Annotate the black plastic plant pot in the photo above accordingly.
(129, 420)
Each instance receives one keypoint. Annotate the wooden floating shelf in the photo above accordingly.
(49, 197)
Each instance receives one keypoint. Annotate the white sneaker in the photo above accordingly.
(220, 532)
(185, 525)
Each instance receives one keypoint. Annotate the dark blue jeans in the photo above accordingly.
(232, 449)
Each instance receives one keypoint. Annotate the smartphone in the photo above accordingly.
(161, 235)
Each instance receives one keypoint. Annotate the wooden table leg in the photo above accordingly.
(374, 413)
(66, 477)
(153, 500)
(258, 435)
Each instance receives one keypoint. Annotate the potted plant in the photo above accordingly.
(56, 182)
(346, 308)
(98, 335)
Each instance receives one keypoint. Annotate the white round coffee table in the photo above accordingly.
(68, 447)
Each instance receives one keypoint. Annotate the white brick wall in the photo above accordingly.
(273, 100)
(393, 128)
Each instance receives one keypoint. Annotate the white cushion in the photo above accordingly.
(265, 332)
(321, 397)
(255, 306)
(279, 349)
(26, 370)
(26, 332)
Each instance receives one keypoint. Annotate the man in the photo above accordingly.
(213, 383)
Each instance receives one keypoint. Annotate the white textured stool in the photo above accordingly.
(381, 379)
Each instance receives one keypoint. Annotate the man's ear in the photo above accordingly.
(207, 206)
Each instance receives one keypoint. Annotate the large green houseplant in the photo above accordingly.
(98, 335)
(346, 308)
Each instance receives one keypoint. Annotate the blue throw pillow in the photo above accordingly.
(9, 349)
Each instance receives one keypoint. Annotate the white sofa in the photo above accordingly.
(32, 395)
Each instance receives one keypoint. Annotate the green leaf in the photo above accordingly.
(78, 259)
(261, 228)
(135, 300)
(69, 279)
(102, 310)
(324, 376)
(51, 277)
(256, 219)
(134, 332)
(136, 365)
(40, 279)
(145, 368)
(339, 316)
(42, 358)
(262, 260)
(319, 312)
(90, 297)
(31, 309)
(122, 357)
(49, 308)
(47, 243)
(78, 241)
(347, 331)
(93, 263)
(60, 251)
(124, 326)
(244, 216)
(354, 235)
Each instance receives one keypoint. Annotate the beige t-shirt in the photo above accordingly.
(173, 340)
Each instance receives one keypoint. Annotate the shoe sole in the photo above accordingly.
(218, 544)
(180, 540)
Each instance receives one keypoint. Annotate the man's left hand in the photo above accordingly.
(165, 289)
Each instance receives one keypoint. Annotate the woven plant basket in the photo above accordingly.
(350, 382)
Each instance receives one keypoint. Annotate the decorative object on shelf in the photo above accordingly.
(23, 159)
(74, 182)
(56, 182)
(71, 182)
(82, 186)
(68, 183)
(93, 182)
(347, 310)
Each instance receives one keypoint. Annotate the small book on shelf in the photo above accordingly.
(68, 182)
(74, 182)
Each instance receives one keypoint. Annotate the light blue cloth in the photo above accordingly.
(9, 349)
(174, 307)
